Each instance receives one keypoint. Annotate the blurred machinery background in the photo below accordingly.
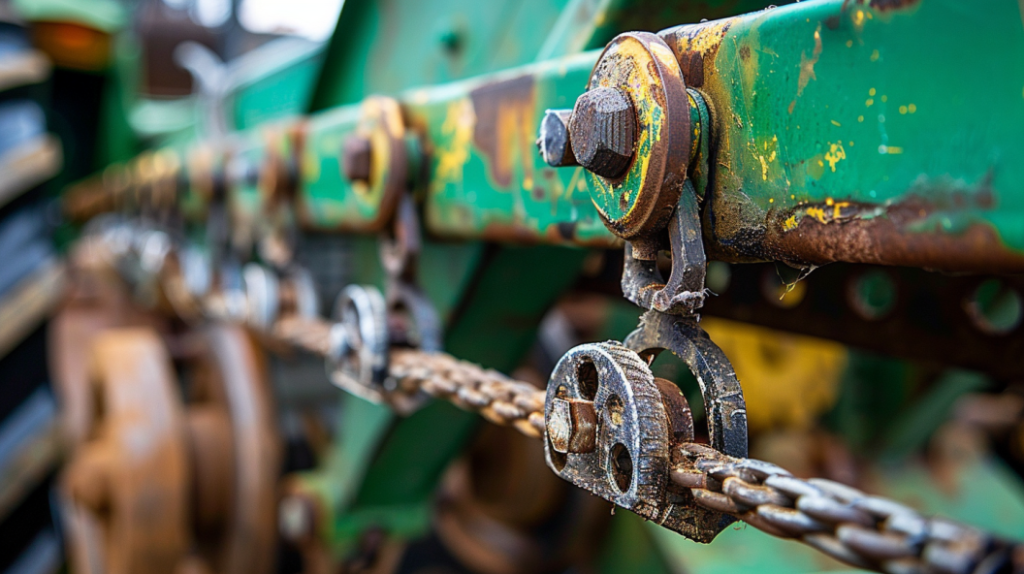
(252, 252)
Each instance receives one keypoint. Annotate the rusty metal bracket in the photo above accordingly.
(613, 429)
(684, 293)
(723, 396)
(412, 320)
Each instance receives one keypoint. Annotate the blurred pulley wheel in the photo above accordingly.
(161, 487)
(127, 484)
(236, 452)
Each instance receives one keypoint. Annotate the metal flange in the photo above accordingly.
(375, 159)
(635, 205)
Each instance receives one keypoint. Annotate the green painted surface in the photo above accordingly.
(388, 47)
(487, 179)
(328, 200)
(281, 86)
(833, 111)
(821, 115)
(630, 547)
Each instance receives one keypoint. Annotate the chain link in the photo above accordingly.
(856, 528)
(865, 531)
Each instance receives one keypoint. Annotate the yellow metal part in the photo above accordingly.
(788, 380)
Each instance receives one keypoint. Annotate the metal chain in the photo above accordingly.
(865, 531)
(497, 398)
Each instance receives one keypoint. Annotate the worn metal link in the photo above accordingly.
(496, 397)
(853, 527)
(861, 530)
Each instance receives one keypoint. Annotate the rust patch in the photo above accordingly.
(694, 45)
(885, 5)
(807, 67)
(504, 130)
(854, 232)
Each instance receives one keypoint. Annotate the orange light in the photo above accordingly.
(73, 45)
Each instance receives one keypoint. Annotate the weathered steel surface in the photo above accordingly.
(242, 394)
(330, 200)
(835, 143)
(641, 421)
(638, 204)
(916, 315)
(132, 476)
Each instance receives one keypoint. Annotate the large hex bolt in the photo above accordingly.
(356, 158)
(554, 139)
(572, 426)
(602, 131)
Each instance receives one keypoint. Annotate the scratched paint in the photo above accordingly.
(830, 93)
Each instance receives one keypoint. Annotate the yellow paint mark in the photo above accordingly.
(874, 55)
(911, 108)
(869, 102)
(835, 154)
(849, 43)
(860, 119)
(817, 213)
(807, 64)
(871, 92)
(764, 164)
(903, 110)
(709, 37)
(850, 143)
(828, 200)
(458, 123)
(771, 200)
(894, 150)
(792, 196)
(790, 223)
(837, 124)
(858, 18)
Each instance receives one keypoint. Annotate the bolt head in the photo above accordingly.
(603, 131)
(572, 426)
(356, 158)
(554, 139)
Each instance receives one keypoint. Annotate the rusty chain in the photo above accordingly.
(494, 396)
(861, 530)
(853, 527)
(865, 531)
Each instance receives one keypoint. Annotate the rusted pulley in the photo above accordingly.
(159, 484)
